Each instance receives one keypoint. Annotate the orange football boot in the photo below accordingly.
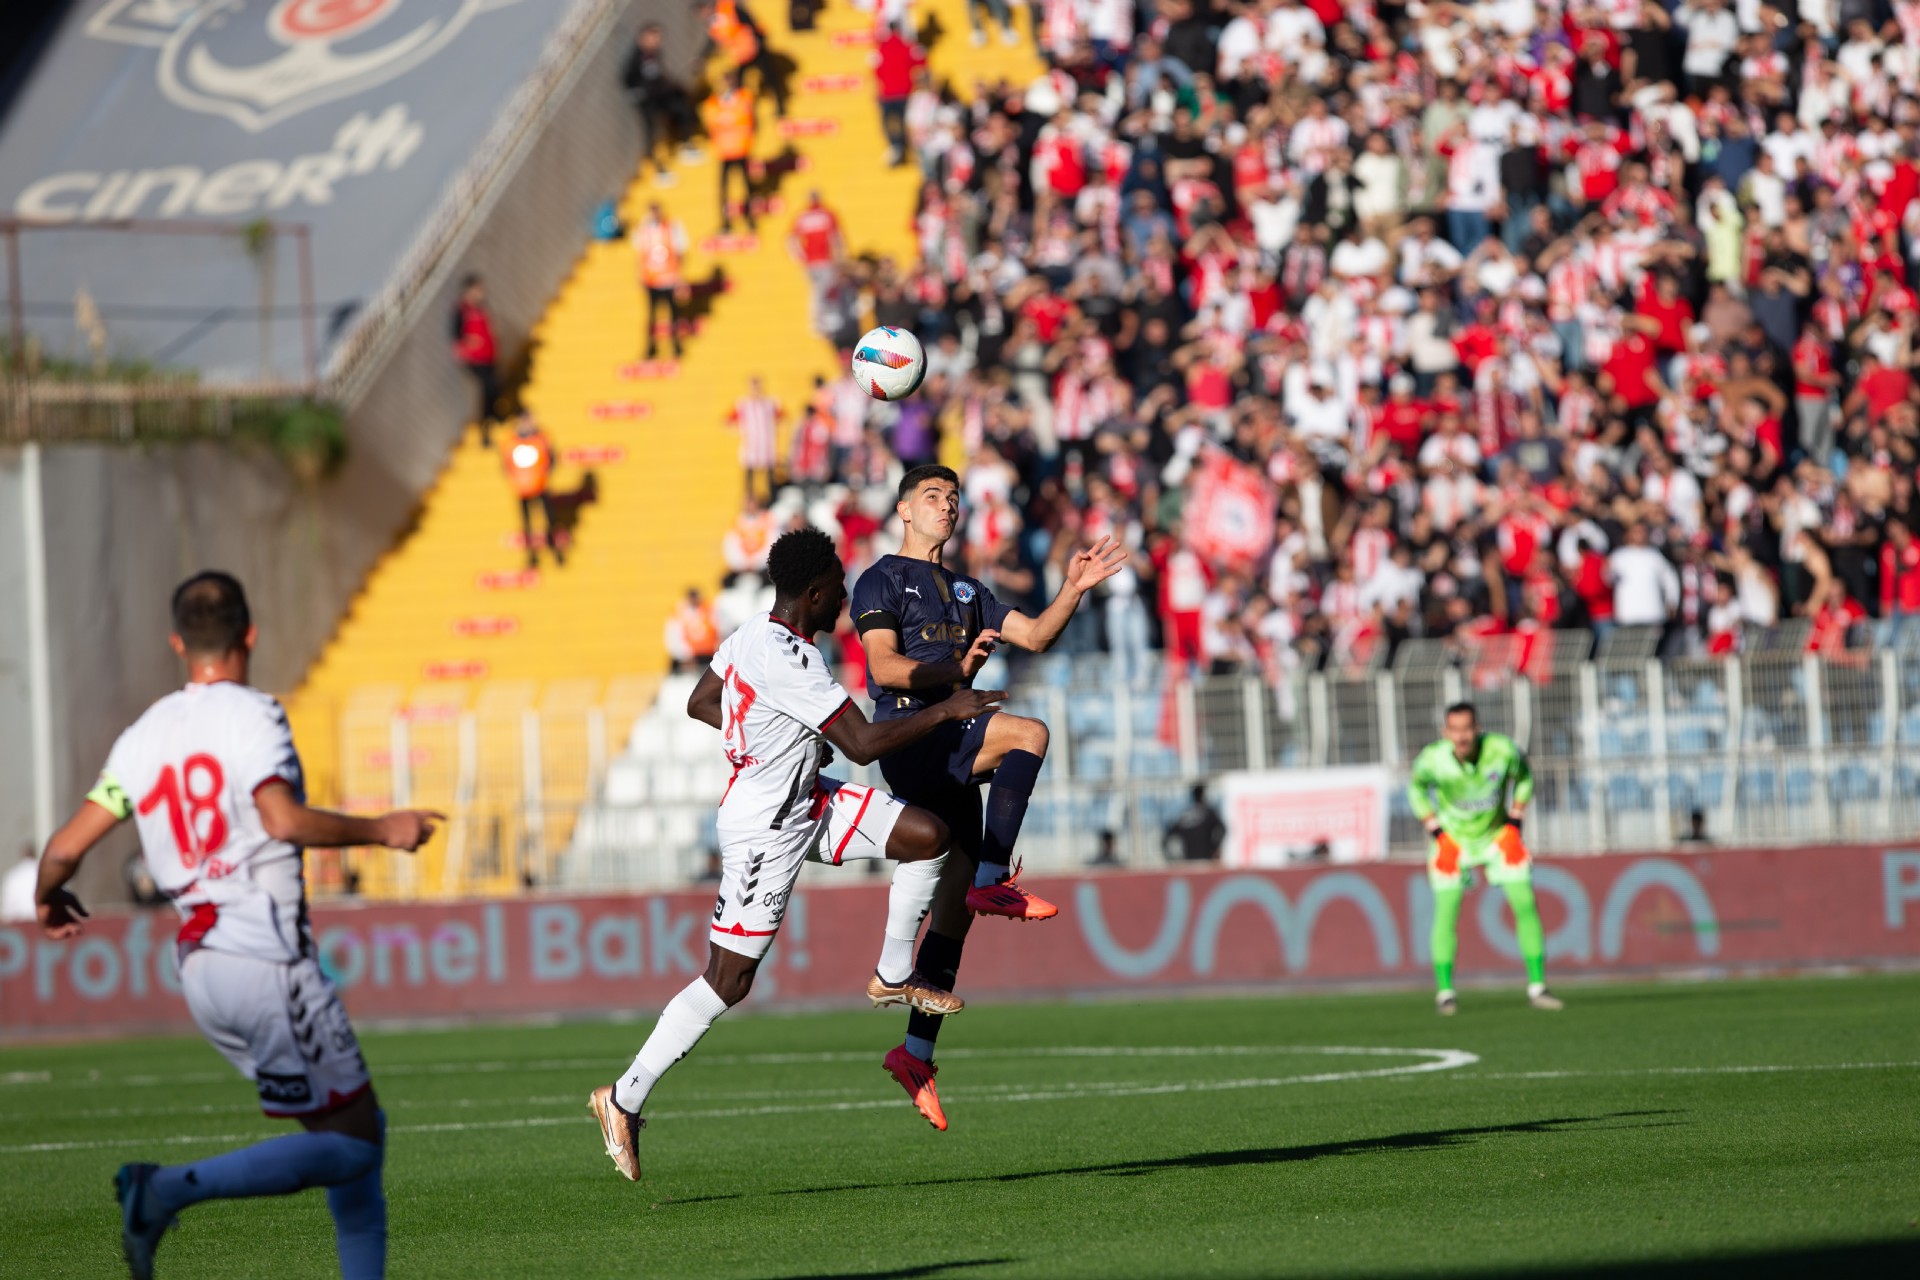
(1008, 899)
(916, 1077)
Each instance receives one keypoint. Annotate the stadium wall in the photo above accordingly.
(123, 524)
(1713, 912)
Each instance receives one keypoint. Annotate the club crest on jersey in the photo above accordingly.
(963, 592)
(260, 64)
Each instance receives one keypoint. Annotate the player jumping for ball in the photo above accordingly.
(928, 630)
(211, 777)
(1471, 790)
(771, 694)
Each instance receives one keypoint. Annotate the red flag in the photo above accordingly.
(1231, 512)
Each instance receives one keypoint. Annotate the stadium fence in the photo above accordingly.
(1628, 752)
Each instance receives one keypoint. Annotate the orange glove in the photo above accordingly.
(1446, 853)
(1510, 846)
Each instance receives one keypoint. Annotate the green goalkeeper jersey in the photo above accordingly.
(1471, 797)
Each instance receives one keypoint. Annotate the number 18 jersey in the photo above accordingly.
(187, 772)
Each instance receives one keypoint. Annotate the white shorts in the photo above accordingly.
(281, 1026)
(849, 823)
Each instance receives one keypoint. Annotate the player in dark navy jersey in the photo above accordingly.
(928, 630)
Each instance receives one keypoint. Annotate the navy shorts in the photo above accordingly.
(929, 771)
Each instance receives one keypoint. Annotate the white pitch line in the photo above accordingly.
(1768, 1069)
(1437, 1060)
(402, 1069)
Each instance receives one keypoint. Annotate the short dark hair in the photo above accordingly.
(210, 613)
(921, 474)
(1463, 709)
(798, 559)
(469, 280)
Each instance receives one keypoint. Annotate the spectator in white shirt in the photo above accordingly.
(1646, 588)
(1712, 34)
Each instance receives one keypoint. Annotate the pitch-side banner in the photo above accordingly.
(1280, 815)
(1725, 911)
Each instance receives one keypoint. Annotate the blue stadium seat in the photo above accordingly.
(1153, 761)
(1093, 759)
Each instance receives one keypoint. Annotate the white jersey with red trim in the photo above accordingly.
(187, 772)
(779, 698)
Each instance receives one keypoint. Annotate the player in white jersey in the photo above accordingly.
(212, 780)
(772, 695)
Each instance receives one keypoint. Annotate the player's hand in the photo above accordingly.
(408, 829)
(61, 914)
(966, 704)
(977, 654)
(1093, 566)
(826, 754)
(1446, 853)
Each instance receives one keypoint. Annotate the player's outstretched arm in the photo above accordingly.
(863, 742)
(1087, 570)
(286, 818)
(703, 704)
(60, 912)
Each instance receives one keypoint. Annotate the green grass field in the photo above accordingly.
(1731, 1128)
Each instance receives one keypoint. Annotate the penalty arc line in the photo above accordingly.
(1437, 1060)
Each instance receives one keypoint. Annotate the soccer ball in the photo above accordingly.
(889, 363)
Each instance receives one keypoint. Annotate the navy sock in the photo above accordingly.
(1007, 798)
(939, 963)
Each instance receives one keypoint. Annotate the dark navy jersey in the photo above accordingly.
(936, 612)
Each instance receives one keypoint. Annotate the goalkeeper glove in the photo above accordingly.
(1510, 845)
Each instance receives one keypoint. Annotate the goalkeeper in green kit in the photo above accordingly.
(1470, 789)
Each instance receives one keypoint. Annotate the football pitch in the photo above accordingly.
(1733, 1128)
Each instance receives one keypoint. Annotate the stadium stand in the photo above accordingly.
(448, 624)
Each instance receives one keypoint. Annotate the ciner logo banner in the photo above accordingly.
(261, 62)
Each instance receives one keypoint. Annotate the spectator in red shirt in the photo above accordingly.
(474, 348)
(1629, 374)
(1814, 382)
(1834, 620)
(895, 59)
(817, 243)
(1899, 581)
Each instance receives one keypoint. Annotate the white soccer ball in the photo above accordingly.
(889, 363)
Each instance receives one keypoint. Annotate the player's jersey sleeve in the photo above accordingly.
(109, 792)
(263, 751)
(877, 601)
(799, 685)
(992, 612)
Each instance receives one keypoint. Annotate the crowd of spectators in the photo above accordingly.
(1508, 316)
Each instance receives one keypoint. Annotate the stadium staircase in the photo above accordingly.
(458, 680)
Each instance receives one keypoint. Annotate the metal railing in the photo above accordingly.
(1627, 754)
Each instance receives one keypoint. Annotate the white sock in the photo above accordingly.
(682, 1023)
(896, 960)
(1444, 993)
(990, 873)
(920, 1047)
(1536, 989)
(907, 905)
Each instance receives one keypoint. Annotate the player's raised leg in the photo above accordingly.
(918, 843)
(1014, 749)
(948, 921)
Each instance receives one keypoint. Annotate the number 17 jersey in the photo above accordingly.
(187, 772)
